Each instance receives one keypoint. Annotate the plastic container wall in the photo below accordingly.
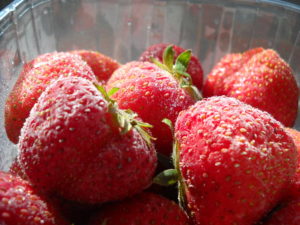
(122, 29)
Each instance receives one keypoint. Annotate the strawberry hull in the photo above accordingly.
(153, 94)
(194, 68)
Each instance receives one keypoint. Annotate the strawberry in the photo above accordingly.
(143, 209)
(258, 77)
(20, 204)
(102, 65)
(154, 93)
(288, 214)
(194, 67)
(294, 190)
(235, 161)
(228, 65)
(33, 80)
(76, 143)
(73, 211)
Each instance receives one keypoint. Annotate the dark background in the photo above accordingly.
(3, 3)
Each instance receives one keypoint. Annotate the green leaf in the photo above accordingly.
(125, 119)
(102, 90)
(168, 57)
(197, 94)
(183, 60)
(146, 136)
(181, 194)
(185, 75)
(121, 120)
(175, 154)
(166, 178)
(112, 91)
(143, 124)
(159, 64)
(181, 184)
(169, 124)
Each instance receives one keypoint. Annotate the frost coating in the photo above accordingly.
(71, 146)
(235, 159)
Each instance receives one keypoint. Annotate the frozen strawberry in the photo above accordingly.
(33, 80)
(258, 77)
(287, 214)
(143, 209)
(228, 65)
(235, 161)
(76, 143)
(294, 190)
(20, 204)
(155, 93)
(194, 67)
(102, 65)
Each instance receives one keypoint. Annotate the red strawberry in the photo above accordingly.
(155, 94)
(258, 77)
(194, 68)
(77, 144)
(294, 190)
(228, 65)
(288, 214)
(235, 161)
(143, 209)
(74, 211)
(33, 80)
(102, 65)
(20, 205)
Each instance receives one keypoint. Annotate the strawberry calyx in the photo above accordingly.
(126, 119)
(178, 69)
(166, 178)
(172, 176)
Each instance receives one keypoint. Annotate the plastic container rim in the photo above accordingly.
(291, 6)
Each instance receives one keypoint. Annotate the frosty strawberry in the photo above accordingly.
(258, 77)
(294, 190)
(155, 93)
(235, 161)
(33, 80)
(78, 144)
(20, 204)
(145, 208)
(102, 65)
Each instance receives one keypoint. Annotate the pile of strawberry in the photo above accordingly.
(100, 143)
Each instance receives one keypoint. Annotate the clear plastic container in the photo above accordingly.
(122, 29)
